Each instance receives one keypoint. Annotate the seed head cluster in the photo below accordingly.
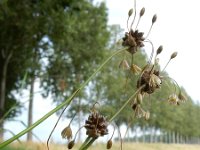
(96, 125)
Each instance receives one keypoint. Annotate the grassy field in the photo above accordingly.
(116, 146)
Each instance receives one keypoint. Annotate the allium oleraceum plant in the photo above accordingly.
(149, 80)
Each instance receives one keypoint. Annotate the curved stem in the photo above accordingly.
(66, 102)
(134, 15)
(55, 126)
(152, 52)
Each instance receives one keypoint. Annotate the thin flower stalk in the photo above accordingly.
(65, 103)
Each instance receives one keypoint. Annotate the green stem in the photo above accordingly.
(125, 104)
(88, 144)
(85, 142)
(66, 102)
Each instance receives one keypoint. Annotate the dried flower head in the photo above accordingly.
(181, 97)
(67, 133)
(124, 65)
(96, 125)
(147, 115)
(139, 112)
(151, 80)
(134, 40)
(173, 99)
(135, 69)
(109, 144)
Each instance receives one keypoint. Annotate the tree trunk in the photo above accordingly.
(173, 137)
(177, 138)
(3, 91)
(30, 108)
(151, 135)
(143, 136)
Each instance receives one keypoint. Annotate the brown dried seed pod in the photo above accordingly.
(142, 11)
(130, 12)
(109, 144)
(174, 54)
(71, 144)
(67, 133)
(154, 18)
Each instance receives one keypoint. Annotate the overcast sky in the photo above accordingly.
(177, 29)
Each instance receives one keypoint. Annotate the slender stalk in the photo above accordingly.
(125, 104)
(66, 102)
(88, 144)
(85, 142)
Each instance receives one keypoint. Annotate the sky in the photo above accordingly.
(177, 29)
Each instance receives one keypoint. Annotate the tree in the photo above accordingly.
(15, 31)
(74, 56)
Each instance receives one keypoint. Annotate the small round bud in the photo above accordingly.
(159, 50)
(154, 18)
(109, 144)
(139, 98)
(174, 54)
(71, 144)
(142, 11)
(130, 12)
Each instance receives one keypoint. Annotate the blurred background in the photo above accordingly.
(48, 48)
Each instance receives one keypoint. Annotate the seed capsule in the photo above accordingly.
(159, 50)
(130, 12)
(174, 55)
(154, 18)
(71, 144)
(142, 11)
(109, 144)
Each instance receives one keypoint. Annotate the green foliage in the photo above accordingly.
(82, 46)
